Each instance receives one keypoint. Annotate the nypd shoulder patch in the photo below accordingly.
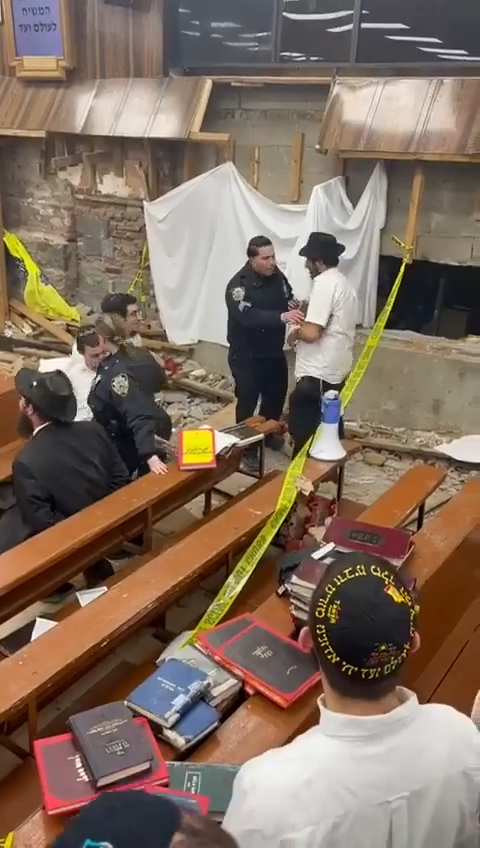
(120, 385)
(238, 293)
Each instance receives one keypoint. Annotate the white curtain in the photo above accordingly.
(197, 236)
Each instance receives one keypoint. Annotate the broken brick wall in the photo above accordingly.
(83, 225)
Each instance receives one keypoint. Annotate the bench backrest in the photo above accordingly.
(9, 399)
(91, 631)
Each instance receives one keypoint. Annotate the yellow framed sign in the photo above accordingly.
(38, 38)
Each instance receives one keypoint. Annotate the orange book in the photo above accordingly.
(196, 449)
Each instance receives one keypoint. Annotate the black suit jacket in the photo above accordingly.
(62, 470)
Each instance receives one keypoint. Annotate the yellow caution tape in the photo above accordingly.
(37, 295)
(139, 280)
(7, 841)
(247, 564)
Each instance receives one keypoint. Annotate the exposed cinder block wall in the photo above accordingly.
(269, 116)
(449, 220)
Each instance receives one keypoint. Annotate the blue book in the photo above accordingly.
(168, 693)
(201, 720)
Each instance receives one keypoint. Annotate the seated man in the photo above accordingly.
(63, 468)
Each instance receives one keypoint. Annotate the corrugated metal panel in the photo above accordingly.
(428, 118)
(129, 108)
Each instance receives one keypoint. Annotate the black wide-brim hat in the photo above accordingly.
(50, 393)
(316, 244)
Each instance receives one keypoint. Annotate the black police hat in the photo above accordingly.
(51, 394)
(319, 242)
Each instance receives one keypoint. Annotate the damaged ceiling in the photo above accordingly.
(431, 119)
(169, 108)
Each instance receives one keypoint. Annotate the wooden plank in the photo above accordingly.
(139, 598)
(209, 137)
(201, 106)
(4, 308)
(418, 186)
(54, 330)
(254, 165)
(296, 166)
(411, 491)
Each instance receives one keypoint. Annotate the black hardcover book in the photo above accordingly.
(271, 663)
(111, 744)
(217, 637)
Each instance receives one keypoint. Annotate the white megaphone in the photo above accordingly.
(326, 444)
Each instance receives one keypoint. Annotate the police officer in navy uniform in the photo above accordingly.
(260, 303)
(128, 414)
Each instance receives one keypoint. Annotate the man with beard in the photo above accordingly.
(65, 465)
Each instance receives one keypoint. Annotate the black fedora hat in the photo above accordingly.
(318, 243)
(51, 394)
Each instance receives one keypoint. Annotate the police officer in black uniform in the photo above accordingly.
(127, 414)
(260, 303)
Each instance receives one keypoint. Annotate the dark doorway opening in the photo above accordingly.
(434, 299)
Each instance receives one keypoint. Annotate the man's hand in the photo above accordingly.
(156, 465)
(293, 316)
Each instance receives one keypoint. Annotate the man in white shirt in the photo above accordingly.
(379, 770)
(325, 340)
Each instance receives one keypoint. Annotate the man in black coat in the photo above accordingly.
(260, 304)
(65, 465)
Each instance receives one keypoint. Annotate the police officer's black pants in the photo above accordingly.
(305, 409)
(259, 377)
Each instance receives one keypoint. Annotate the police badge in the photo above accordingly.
(120, 385)
(237, 293)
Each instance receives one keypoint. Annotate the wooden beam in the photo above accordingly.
(22, 133)
(201, 106)
(229, 150)
(418, 186)
(60, 162)
(41, 321)
(4, 309)
(255, 165)
(152, 173)
(296, 166)
(95, 157)
(189, 166)
(209, 137)
(266, 80)
(404, 157)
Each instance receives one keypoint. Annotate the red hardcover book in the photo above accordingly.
(211, 641)
(195, 803)
(64, 780)
(270, 663)
(196, 449)
(392, 543)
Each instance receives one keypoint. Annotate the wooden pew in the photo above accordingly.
(35, 830)
(259, 725)
(35, 568)
(453, 674)
(89, 633)
(9, 399)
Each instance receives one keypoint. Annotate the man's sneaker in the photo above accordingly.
(274, 441)
(250, 464)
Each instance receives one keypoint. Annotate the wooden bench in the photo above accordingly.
(453, 675)
(30, 571)
(259, 725)
(402, 500)
(89, 633)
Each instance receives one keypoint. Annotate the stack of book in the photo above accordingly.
(174, 699)
(264, 659)
(342, 536)
(110, 750)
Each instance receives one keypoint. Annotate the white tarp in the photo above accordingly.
(197, 236)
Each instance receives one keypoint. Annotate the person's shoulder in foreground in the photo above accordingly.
(139, 819)
(379, 769)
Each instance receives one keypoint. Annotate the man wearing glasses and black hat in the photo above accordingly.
(325, 339)
(65, 466)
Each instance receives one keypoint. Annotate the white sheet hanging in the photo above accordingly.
(197, 235)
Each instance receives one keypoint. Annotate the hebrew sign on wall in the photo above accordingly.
(37, 28)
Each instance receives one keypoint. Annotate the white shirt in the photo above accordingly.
(407, 779)
(80, 377)
(333, 305)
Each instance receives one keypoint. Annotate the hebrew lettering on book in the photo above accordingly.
(37, 27)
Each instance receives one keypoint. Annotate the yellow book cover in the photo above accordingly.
(196, 449)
